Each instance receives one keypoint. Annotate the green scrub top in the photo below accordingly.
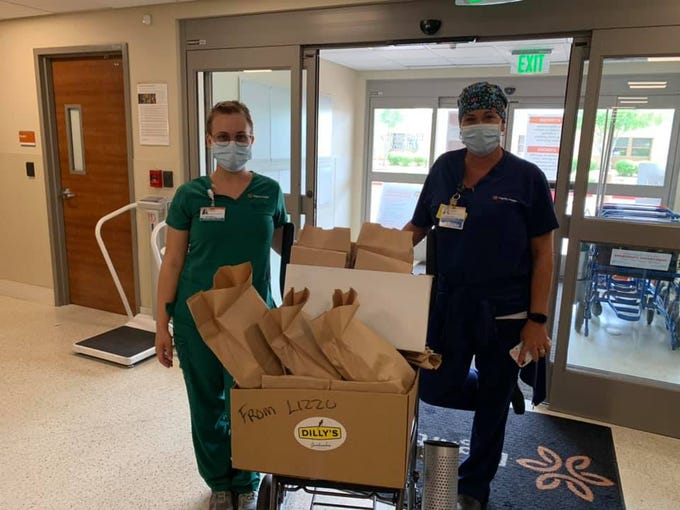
(245, 234)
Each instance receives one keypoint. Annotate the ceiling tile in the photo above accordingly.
(8, 11)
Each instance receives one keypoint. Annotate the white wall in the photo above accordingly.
(340, 84)
(25, 256)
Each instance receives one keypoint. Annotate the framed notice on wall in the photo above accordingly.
(152, 108)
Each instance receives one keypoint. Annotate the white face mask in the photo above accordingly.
(481, 139)
(230, 156)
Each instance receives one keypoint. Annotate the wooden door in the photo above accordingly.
(89, 103)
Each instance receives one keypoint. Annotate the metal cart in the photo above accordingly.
(274, 487)
(632, 286)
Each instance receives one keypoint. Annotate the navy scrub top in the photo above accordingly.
(507, 207)
(484, 270)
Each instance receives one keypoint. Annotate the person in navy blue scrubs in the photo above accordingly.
(494, 217)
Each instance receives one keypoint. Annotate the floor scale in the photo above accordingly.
(133, 342)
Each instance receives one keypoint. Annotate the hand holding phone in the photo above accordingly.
(514, 354)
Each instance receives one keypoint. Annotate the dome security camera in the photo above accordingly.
(509, 90)
(430, 26)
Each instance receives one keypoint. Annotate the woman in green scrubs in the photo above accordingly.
(230, 217)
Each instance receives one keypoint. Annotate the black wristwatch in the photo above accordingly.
(539, 318)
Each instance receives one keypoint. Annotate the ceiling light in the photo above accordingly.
(663, 59)
(647, 84)
(632, 98)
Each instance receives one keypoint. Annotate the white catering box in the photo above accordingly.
(393, 304)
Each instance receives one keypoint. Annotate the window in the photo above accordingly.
(401, 140)
(633, 147)
(641, 148)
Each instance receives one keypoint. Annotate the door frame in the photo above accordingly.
(55, 210)
(615, 398)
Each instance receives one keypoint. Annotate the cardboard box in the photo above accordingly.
(314, 257)
(393, 304)
(339, 436)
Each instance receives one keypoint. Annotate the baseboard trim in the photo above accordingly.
(27, 292)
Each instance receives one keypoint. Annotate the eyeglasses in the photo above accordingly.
(241, 139)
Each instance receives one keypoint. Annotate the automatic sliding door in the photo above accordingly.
(618, 358)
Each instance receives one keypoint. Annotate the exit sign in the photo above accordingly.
(531, 63)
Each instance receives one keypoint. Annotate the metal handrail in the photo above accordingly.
(107, 258)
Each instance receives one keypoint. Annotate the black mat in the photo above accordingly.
(548, 462)
(122, 341)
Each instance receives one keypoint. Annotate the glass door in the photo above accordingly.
(401, 148)
(270, 82)
(400, 155)
(618, 358)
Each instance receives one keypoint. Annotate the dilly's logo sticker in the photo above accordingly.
(319, 433)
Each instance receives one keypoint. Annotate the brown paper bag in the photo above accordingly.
(233, 276)
(289, 382)
(336, 239)
(357, 351)
(315, 257)
(376, 262)
(289, 335)
(391, 242)
(226, 319)
(427, 359)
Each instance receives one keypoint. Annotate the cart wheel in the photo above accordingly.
(264, 494)
(596, 308)
(650, 316)
(580, 316)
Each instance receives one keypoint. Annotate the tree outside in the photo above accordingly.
(626, 124)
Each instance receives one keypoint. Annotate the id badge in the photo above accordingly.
(212, 213)
(453, 217)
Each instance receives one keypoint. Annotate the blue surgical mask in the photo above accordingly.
(481, 139)
(231, 156)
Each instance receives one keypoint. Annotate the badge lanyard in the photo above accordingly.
(452, 215)
(212, 213)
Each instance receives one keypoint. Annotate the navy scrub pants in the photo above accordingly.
(486, 390)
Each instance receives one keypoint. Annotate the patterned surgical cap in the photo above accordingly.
(482, 96)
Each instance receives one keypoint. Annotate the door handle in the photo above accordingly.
(67, 194)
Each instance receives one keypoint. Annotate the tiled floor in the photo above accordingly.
(82, 434)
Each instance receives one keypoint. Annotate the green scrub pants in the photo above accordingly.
(208, 385)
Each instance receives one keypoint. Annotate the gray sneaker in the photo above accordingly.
(221, 500)
(247, 501)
